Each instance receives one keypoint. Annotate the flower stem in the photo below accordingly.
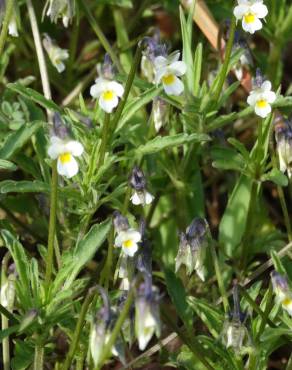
(220, 279)
(104, 137)
(226, 60)
(38, 362)
(267, 311)
(116, 330)
(88, 299)
(52, 225)
(130, 79)
(5, 24)
(100, 35)
(4, 316)
(40, 52)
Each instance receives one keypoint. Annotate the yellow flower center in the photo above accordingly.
(65, 158)
(128, 243)
(262, 103)
(249, 18)
(287, 301)
(108, 95)
(168, 79)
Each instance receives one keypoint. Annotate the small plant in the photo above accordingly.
(146, 160)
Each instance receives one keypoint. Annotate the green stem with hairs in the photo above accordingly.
(104, 139)
(100, 35)
(38, 362)
(220, 279)
(129, 83)
(117, 328)
(88, 299)
(226, 60)
(5, 24)
(52, 225)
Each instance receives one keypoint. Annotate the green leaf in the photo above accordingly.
(33, 95)
(134, 105)
(10, 186)
(6, 332)
(159, 143)
(210, 315)
(232, 225)
(83, 253)
(7, 165)
(227, 159)
(178, 296)
(273, 333)
(276, 176)
(186, 30)
(198, 68)
(279, 267)
(20, 259)
(18, 139)
(240, 147)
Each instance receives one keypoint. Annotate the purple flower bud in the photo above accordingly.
(283, 135)
(121, 223)
(59, 128)
(108, 70)
(259, 79)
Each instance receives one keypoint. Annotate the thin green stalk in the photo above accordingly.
(257, 309)
(226, 60)
(39, 52)
(4, 318)
(269, 305)
(5, 24)
(38, 362)
(129, 83)
(104, 140)
(87, 301)
(52, 225)
(220, 279)
(100, 35)
(106, 273)
(117, 328)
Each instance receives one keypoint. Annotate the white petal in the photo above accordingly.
(68, 169)
(173, 57)
(116, 87)
(74, 147)
(60, 66)
(108, 105)
(56, 147)
(148, 198)
(253, 98)
(178, 68)
(130, 251)
(240, 10)
(176, 88)
(252, 27)
(263, 112)
(282, 163)
(135, 199)
(266, 86)
(259, 9)
(119, 239)
(12, 28)
(269, 96)
(133, 235)
(160, 62)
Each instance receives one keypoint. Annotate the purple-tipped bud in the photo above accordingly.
(28, 319)
(137, 181)
(108, 70)
(160, 113)
(60, 129)
(259, 79)
(282, 291)
(283, 135)
(121, 223)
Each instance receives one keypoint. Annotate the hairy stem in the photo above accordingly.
(38, 361)
(88, 299)
(219, 279)
(104, 140)
(226, 60)
(5, 24)
(52, 225)
(40, 53)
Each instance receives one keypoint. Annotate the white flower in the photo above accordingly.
(56, 54)
(250, 12)
(167, 71)
(260, 98)
(282, 291)
(141, 197)
(12, 27)
(65, 151)
(108, 93)
(128, 240)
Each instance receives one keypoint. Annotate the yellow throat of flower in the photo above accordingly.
(249, 18)
(65, 157)
(168, 79)
(262, 103)
(128, 243)
(108, 95)
(287, 301)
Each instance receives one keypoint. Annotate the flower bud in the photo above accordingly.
(160, 113)
(28, 319)
(138, 183)
(64, 9)
(121, 223)
(147, 317)
(59, 127)
(283, 134)
(192, 247)
(282, 291)
(55, 53)
(7, 292)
